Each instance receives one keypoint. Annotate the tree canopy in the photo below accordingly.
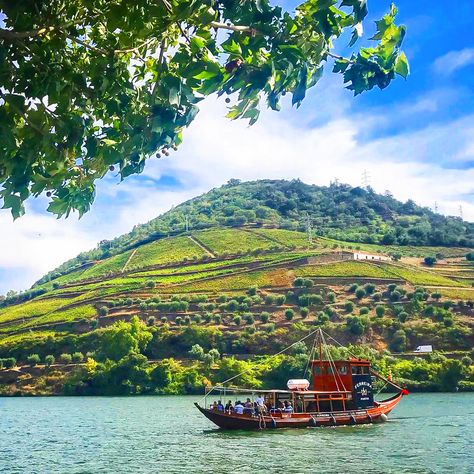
(89, 87)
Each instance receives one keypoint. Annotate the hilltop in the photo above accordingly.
(155, 311)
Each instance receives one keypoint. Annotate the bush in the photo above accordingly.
(49, 360)
(379, 311)
(252, 291)
(77, 357)
(402, 316)
(65, 358)
(197, 318)
(436, 295)
(363, 310)
(264, 317)
(399, 341)
(391, 287)
(249, 318)
(430, 261)
(304, 312)
(207, 317)
(187, 320)
(178, 320)
(308, 283)
(196, 352)
(164, 319)
(470, 257)
(33, 359)
(353, 288)
(395, 296)
(103, 311)
(356, 325)
(289, 314)
(9, 362)
(331, 297)
(377, 297)
(349, 306)
(298, 282)
(360, 293)
(369, 288)
(280, 300)
(150, 284)
(143, 306)
(237, 320)
(217, 318)
(270, 327)
(150, 321)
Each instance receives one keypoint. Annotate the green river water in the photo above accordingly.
(427, 433)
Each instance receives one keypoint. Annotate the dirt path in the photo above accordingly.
(129, 259)
(202, 246)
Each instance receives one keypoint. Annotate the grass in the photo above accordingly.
(232, 241)
(164, 251)
(288, 238)
(25, 338)
(420, 277)
(113, 264)
(243, 281)
(343, 269)
(33, 308)
(457, 293)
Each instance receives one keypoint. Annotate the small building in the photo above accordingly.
(371, 256)
(424, 349)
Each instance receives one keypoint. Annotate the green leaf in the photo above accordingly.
(402, 67)
(300, 91)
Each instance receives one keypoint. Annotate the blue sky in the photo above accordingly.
(415, 138)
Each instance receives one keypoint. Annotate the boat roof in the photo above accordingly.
(299, 392)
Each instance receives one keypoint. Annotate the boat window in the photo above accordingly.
(356, 370)
(317, 370)
(329, 371)
(343, 370)
(365, 370)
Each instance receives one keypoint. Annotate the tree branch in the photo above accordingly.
(240, 29)
(16, 35)
(340, 58)
(20, 112)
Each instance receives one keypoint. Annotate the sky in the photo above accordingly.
(415, 138)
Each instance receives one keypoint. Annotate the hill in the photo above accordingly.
(337, 211)
(155, 316)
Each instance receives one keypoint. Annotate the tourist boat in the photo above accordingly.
(341, 392)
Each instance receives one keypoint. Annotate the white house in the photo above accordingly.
(370, 256)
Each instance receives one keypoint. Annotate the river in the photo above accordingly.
(427, 433)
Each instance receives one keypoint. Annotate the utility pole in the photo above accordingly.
(365, 179)
(460, 212)
(309, 231)
(436, 206)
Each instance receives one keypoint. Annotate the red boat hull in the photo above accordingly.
(232, 421)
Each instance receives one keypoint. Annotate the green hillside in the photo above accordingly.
(233, 290)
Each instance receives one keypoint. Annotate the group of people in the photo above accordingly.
(259, 407)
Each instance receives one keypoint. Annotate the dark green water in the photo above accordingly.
(427, 433)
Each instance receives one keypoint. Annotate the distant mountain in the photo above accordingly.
(337, 211)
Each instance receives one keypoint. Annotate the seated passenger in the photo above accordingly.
(213, 406)
(239, 408)
(229, 406)
(248, 407)
(288, 407)
(220, 406)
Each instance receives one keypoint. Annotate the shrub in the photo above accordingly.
(379, 311)
(331, 297)
(143, 306)
(307, 283)
(470, 257)
(280, 300)
(304, 312)
(1, 364)
(436, 295)
(270, 299)
(77, 357)
(264, 317)
(377, 297)
(466, 360)
(217, 318)
(49, 360)
(197, 318)
(196, 352)
(360, 293)
(237, 320)
(187, 320)
(429, 310)
(399, 341)
(252, 291)
(363, 310)
(248, 318)
(402, 316)
(103, 311)
(232, 305)
(150, 284)
(222, 299)
(356, 325)
(150, 321)
(164, 319)
(395, 296)
(369, 288)
(298, 282)
(207, 317)
(353, 288)
(289, 314)
(33, 359)
(270, 327)
(65, 358)
(391, 287)
(349, 306)
(430, 261)
(9, 362)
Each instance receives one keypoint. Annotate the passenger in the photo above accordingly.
(248, 407)
(229, 407)
(220, 406)
(288, 407)
(239, 408)
(213, 406)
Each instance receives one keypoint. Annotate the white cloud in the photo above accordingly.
(286, 145)
(454, 60)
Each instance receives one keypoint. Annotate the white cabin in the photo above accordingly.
(424, 349)
(371, 257)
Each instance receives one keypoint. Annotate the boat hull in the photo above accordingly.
(232, 421)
